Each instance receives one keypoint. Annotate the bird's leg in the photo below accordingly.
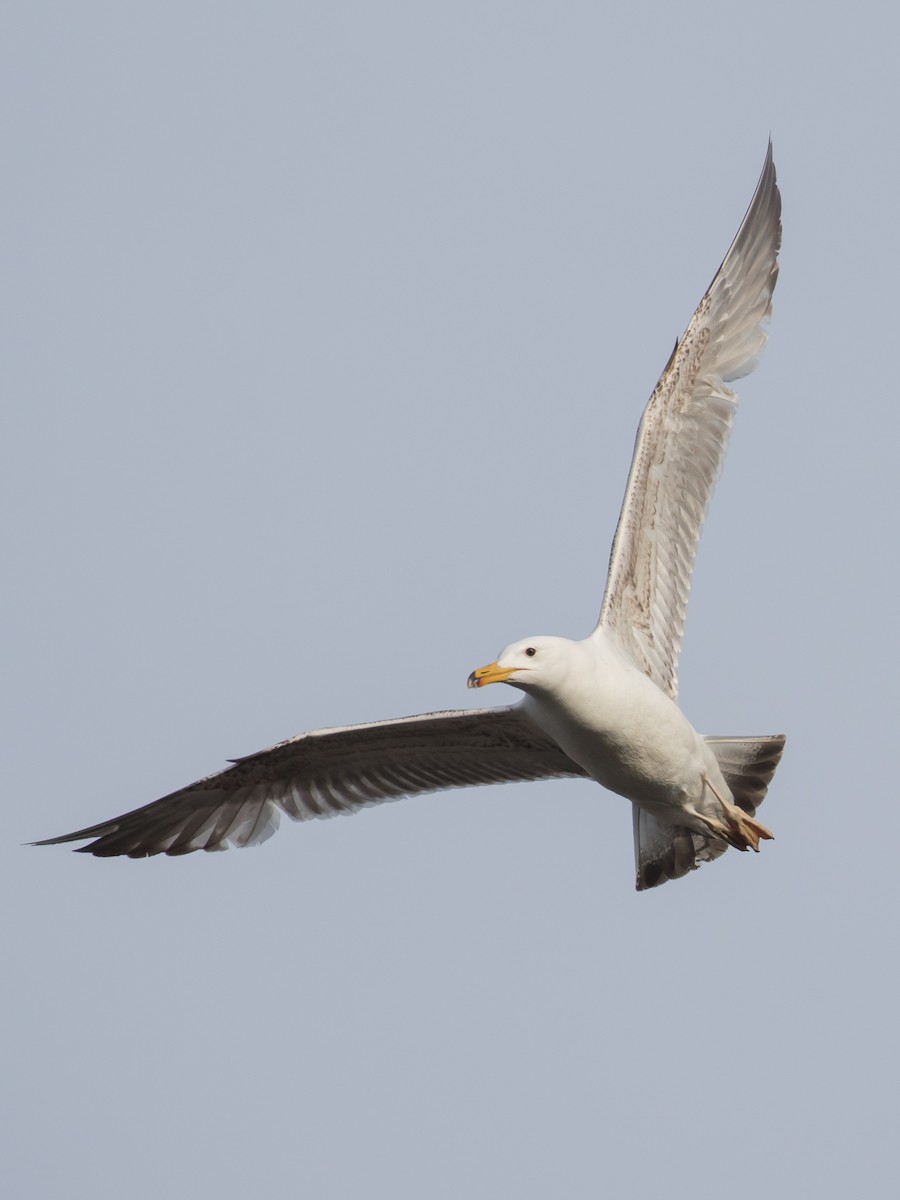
(739, 829)
(719, 829)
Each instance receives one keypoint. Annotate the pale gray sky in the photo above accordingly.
(327, 330)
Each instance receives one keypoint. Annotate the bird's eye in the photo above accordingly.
(530, 651)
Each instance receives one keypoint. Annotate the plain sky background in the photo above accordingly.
(327, 328)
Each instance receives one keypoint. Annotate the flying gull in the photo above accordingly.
(604, 708)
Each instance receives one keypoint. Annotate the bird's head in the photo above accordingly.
(537, 664)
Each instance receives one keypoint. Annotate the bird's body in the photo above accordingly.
(606, 707)
(615, 723)
(622, 729)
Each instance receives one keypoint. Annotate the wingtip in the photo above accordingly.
(82, 835)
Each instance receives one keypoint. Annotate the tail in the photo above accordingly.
(748, 764)
(663, 851)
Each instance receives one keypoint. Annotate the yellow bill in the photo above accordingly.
(493, 673)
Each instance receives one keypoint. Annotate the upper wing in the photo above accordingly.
(681, 443)
(330, 771)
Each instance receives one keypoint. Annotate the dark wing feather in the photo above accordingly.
(331, 771)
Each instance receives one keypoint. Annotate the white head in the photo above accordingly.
(539, 664)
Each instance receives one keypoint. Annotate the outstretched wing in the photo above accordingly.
(330, 771)
(681, 442)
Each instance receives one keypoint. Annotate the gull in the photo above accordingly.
(604, 708)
